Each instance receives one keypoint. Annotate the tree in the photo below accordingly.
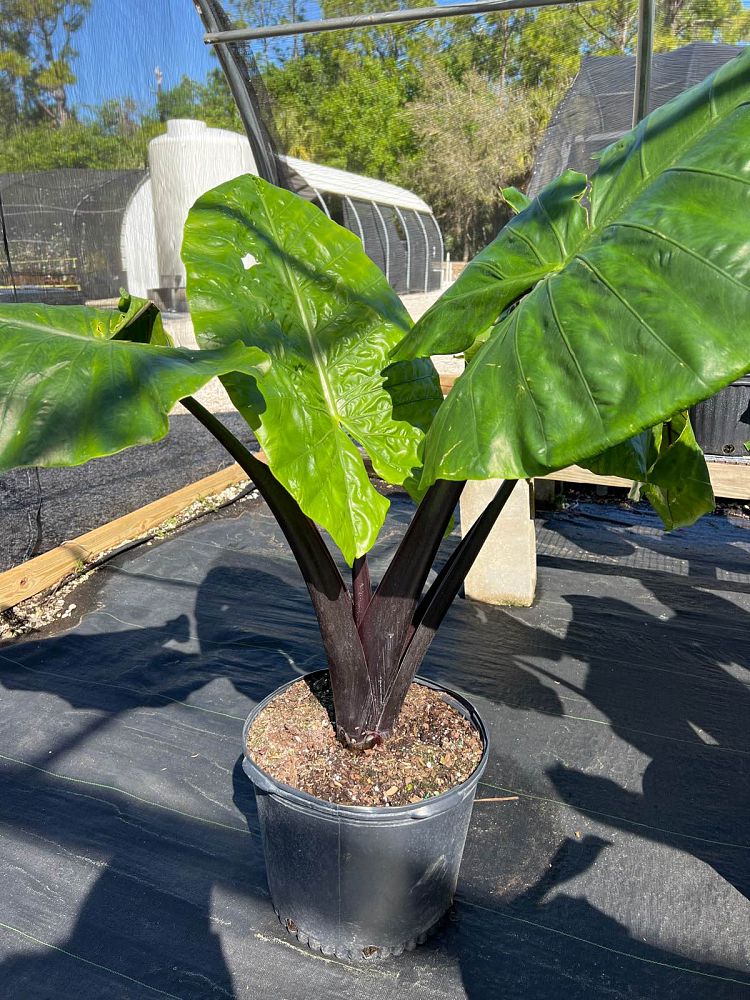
(474, 138)
(39, 35)
(344, 109)
(216, 106)
(210, 102)
(15, 68)
(118, 116)
(76, 144)
(261, 14)
(685, 21)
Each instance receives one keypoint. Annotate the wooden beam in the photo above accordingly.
(50, 568)
(446, 383)
(729, 479)
(575, 474)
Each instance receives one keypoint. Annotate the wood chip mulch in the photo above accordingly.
(432, 749)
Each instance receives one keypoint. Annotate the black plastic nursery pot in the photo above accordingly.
(722, 423)
(362, 882)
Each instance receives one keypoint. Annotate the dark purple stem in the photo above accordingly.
(434, 605)
(389, 615)
(350, 676)
(361, 588)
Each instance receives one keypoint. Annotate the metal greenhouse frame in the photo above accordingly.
(220, 36)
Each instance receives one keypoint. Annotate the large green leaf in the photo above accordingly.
(77, 383)
(535, 243)
(272, 270)
(678, 485)
(642, 310)
(667, 466)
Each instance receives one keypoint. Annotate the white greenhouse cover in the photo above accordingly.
(342, 182)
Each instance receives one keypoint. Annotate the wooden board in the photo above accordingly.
(729, 479)
(446, 383)
(50, 568)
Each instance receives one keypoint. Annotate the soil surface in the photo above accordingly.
(432, 749)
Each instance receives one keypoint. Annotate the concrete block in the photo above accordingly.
(505, 570)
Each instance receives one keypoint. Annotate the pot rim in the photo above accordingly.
(427, 807)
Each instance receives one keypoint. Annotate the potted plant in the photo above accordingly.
(599, 314)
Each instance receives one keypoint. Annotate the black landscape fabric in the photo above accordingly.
(130, 859)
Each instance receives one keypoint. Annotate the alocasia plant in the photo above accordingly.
(599, 314)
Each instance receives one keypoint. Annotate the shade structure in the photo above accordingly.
(79, 235)
(598, 107)
(399, 232)
(63, 231)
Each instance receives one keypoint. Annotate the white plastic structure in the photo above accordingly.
(331, 180)
(185, 162)
(138, 242)
(191, 158)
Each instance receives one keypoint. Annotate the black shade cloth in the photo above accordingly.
(598, 108)
(63, 231)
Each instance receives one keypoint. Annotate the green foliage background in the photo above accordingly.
(452, 109)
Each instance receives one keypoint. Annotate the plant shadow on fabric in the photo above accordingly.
(671, 683)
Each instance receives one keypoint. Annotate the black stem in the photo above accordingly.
(361, 588)
(435, 604)
(350, 678)
(387, 620)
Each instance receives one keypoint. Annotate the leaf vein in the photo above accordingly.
(574, 359)
(708, 173)
(634, 312)
(681, 246)
(522, 373)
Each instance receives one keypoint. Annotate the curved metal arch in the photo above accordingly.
(426, 252)
(387, 241)
(357, 219)
(322, 201)
(402, 220)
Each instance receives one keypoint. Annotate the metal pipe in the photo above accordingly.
(387, 241)
(442, 246)
(322, 201)
(357, 219)
(382, 17)
(426, 252)
(408, 246)
(265, 161)
(643, 56)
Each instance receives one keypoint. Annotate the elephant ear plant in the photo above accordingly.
(601, 312)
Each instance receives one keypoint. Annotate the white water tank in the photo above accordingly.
(187, 161)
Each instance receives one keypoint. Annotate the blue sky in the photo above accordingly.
(122, 41)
